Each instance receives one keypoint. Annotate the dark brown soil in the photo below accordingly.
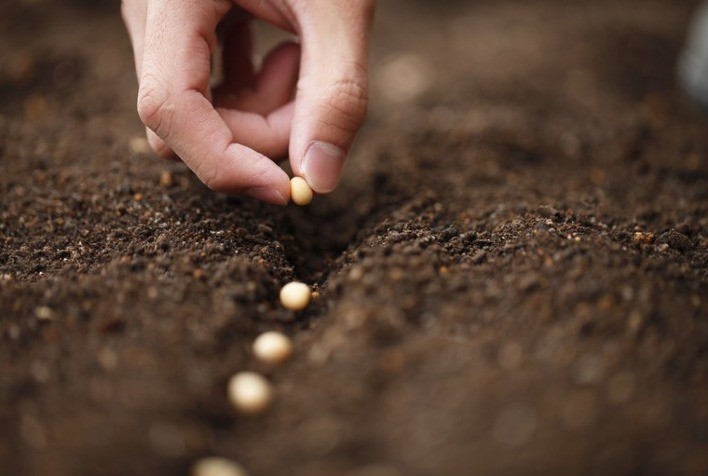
(512, 278)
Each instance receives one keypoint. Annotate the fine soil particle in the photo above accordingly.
(511, 279)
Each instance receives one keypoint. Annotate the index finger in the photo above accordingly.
(172, 101)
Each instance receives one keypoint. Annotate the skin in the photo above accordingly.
(307, 100)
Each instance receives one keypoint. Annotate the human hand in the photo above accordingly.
(226, 135)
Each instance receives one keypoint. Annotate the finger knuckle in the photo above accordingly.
(349, 98)
(155, 107)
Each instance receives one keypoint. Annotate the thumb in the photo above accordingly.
(332, 94)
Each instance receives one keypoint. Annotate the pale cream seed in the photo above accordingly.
(273, 348)
(295, 296)
(300, 191)
(250, 393)
(217, 466)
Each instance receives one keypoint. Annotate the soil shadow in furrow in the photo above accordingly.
(316, 236)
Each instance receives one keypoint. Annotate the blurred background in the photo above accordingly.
(512, 275)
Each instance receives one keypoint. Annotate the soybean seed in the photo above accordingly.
(300, 191)
(217, 466)
(295, 296)
(273, 348)
(250, 393)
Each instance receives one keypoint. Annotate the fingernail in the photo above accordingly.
(266, 194)
(322, 166)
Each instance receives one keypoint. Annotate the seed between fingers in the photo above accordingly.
(300, 191)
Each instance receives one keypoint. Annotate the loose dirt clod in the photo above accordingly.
(295, 296)
(250, 393)
(273, 348)
(300, 191)
(217, 466)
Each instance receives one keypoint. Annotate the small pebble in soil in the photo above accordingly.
(250, 393)
(44, 313)
(166, 179)
(295, 296)
(643, 238)
(273, 348)
(217, 466)
(300, 191)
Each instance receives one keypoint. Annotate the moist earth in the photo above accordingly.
(511, 279)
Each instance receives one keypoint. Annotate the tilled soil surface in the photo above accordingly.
(512, 278)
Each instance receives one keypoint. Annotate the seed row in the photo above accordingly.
(250, 393)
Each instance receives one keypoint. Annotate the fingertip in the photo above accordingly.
(322, 166)
(267, 194)
(273, 187)
(244, 170)
(159, 146)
